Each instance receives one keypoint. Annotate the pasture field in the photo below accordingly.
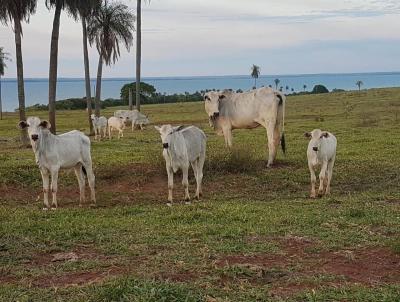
(255, 236)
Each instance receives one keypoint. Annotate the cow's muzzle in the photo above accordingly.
(315, 149)
(165, 145)
(35, 137)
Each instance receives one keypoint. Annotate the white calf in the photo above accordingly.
(115, 123)
(55, 152)
(134, 117)
(99, 126)
(181, 147)
(321, 152)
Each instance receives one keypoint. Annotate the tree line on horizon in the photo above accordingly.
(106, 25)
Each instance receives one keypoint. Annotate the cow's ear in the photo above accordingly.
(22, 124)
(45, 124)
(307, 134)
(157, 128)
(324, 134)
(222, 96)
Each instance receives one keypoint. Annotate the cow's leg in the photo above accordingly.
(322, 176)
(81, 181)
(109, 132)
(54, 186)
(105, 132)
(227, 131)
(185, 183)
(313, 180)
(87, 164)
(329, 176)
(170, 173)
(46, 182)
(200, 166)
(195, 166)
(271, 142)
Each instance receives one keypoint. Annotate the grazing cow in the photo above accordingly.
(134, 117)
(55, 152)
(265, 107)
(100, 126)
(181, 147)
(321, 151)
(118, 124)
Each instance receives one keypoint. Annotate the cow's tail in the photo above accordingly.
(280, 120)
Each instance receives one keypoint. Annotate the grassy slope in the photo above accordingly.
(151, 251)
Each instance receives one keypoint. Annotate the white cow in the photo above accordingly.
(118, 124)
(265, 107)
(181, 147)
(134, 117)
(55, 152)
(321, 151)
(99, 126)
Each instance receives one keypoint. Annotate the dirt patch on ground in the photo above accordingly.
(77, 278)
(293, 269)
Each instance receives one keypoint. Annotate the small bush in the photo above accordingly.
(319, 89)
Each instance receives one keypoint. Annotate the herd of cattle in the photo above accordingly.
(182, 146)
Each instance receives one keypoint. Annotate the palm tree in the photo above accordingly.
(359, 84)
(255, 73)
(59, 5)
(13, 12)
(86, 9)
(277, 81)
(113, 24)
(3, 58)
(138, 49)
(304, 87)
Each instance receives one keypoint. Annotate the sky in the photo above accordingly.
(225, 37)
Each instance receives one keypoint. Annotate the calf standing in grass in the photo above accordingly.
(116, 123)
(181, 147)
(99, 125)
(321, 152)
(55, 152)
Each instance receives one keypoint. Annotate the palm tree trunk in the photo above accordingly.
(138, 50)
(98, 85)
(20, 76)
(53, 67)
(1, 105)
(87, 74)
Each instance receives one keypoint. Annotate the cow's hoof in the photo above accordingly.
(53, 208)
(169, 204)
(45, 209)
(93, 205)
(188, 203)
(312, 196)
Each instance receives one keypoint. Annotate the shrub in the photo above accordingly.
(320, 89)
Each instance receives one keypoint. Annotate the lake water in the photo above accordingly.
(36, 90)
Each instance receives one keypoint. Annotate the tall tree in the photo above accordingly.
(13, 12)
(138, 49)
(277, 81)
(359, 84)
(3, 58)
(86, 9)
(255, 73)
(59, 5)
(112, 25)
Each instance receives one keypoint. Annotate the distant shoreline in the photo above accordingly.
(66, 79)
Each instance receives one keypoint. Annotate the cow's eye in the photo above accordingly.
(206, 98)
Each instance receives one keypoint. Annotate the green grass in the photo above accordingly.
(134, 248)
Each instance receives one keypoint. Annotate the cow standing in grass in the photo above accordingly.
(99, 126)
(321, 151)
(183, 147)
(118, 124)
(55, 152)
(260, 107)
(134, 117)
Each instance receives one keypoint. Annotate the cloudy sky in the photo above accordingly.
(224, 37)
